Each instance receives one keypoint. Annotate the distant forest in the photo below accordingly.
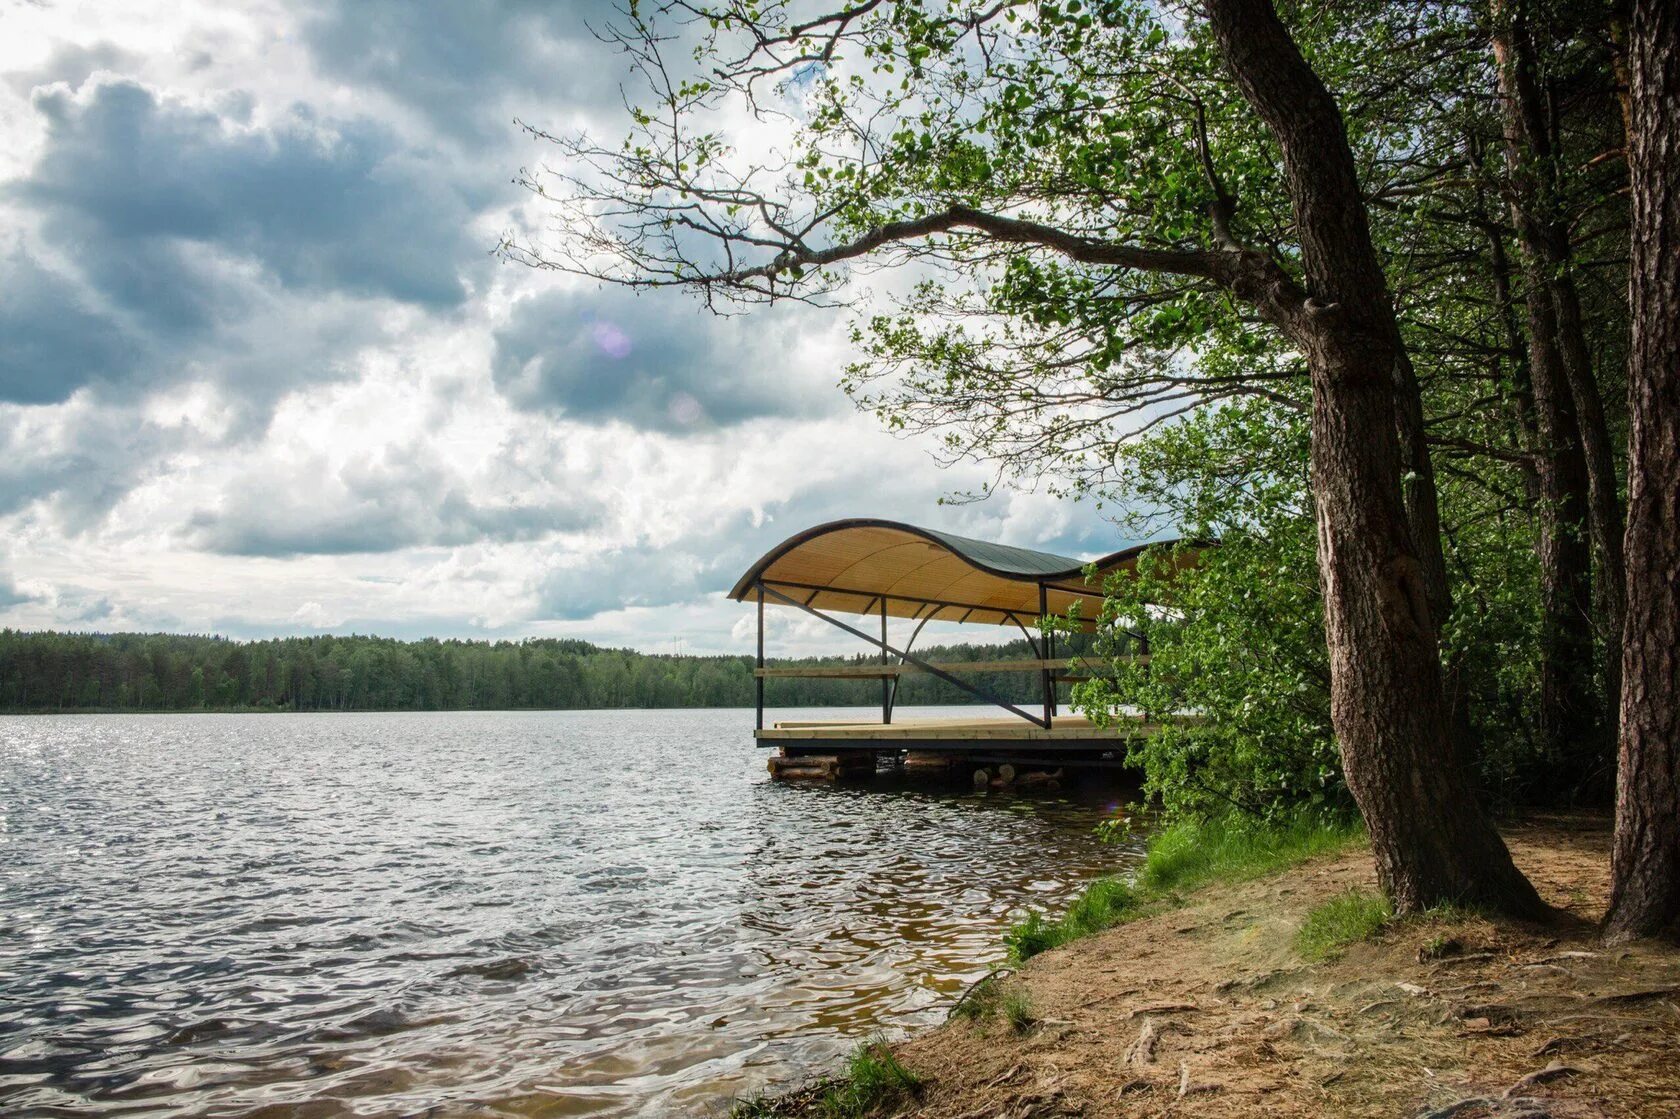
(42, 672)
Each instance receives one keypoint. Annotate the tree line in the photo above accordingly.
(55, 672)
(1382, 295)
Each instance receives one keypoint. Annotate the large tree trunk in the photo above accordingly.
(1433, 842)
(1645, 892)
(1575, 727)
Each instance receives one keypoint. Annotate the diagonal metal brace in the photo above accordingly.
(905, 657)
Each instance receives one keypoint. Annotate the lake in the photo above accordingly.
(603, 913)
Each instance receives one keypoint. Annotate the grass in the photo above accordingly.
(1017, 1010)
(1105, 902)
(996, 996)
(1183, 857)
(873, 1078)
(1343, 920)
(1192, 853)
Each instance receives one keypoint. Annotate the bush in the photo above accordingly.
(1237, 644)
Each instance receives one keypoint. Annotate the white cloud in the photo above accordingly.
(276, 385)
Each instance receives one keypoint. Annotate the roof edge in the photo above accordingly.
(744, 585)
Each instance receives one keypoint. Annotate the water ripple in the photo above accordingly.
(576, 913)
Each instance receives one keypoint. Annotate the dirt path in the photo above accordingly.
(1207, 1010)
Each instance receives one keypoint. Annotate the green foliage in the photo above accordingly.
(873, 1079)
(1237, 665)
(1238, 662)
(1343, 920)
(163, 672)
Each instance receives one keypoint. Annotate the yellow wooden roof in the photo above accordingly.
(851, 565)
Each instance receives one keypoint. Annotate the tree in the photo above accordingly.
(1065, 149)
(1576, 463)
(1645, 892)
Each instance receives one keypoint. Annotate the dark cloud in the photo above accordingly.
(131, 183)
(399, 500)
(81, 464)
(10, 595)
(470, 67)
(54, 342)
(659, 362)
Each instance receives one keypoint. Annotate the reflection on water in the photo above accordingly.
(571, 913)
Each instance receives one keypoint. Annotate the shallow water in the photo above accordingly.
(555, 913)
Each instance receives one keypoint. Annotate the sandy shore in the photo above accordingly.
(1210, 1010)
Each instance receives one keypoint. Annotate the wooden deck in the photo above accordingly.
(1067, 734)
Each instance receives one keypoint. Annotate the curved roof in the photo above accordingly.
(851, 565)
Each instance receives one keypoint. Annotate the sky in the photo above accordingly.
(261, 374)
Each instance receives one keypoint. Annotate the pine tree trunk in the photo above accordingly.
(1576, 462)
(1569, 714)
(1645, 890)
(1433, 842)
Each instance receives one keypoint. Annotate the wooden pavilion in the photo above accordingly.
(884, 569)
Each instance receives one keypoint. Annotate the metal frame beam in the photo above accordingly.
(905, 658)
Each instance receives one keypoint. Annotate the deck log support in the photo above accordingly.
(822, 767)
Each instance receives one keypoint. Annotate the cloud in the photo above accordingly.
(258, 374)
(74, 63)
(662, 362)
(81, 458)
(461, 64)
(386, 502)
(55, 342)
(11, 594)
(130, 182)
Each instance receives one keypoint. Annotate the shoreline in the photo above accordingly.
(1217, 1007)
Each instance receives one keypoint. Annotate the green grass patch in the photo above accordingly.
(981, 1001)
(997, 996)
(873, 1079)
(1105, 902)
(1183, 857)
(1192, 853)
(1016, 1006)
(1343, 920)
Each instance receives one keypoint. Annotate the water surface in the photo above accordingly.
(557, 913)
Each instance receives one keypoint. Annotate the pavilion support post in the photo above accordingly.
(759, 678)
(886, 685)
(1047, 648)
